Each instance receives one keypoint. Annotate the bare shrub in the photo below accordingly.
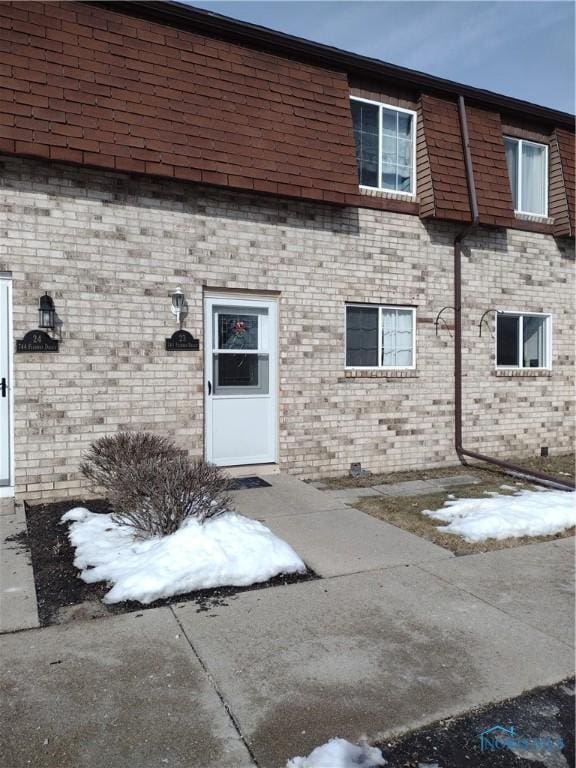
(108, 455)
(155, 496)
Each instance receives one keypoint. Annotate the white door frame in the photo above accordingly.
(8, 490)
(248, 301)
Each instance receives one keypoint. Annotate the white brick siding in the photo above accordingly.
(110, 249)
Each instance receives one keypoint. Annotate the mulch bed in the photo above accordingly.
(455, 742)
(59, 586)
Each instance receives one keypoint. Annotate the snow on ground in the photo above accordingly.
(339, 753)
(526, 513)
(229, 550)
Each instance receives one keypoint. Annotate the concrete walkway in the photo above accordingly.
(18, 609)
(331, 538)
(396, 634)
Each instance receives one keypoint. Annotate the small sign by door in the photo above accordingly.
(182, 341)
(37, 341)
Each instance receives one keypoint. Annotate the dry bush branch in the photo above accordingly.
(108, 455)
(156, 495)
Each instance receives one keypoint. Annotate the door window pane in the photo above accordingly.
(361, 336)
(239, 373)
(507, 340)
(534, 341)
(237, 331)
(365, 120)
(533, 179)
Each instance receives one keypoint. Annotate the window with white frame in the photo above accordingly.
(523, 340)
(385, 150)
(380, 336)
(528, 171)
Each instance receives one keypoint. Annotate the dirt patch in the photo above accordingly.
(543, 714)
(560, 466)
(406, 513)
(62, 596)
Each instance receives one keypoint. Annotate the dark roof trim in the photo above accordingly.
(195, 19)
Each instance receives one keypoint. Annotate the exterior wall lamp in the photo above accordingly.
(177, 303)
(46, 312)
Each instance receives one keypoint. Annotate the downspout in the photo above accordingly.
(462, 452)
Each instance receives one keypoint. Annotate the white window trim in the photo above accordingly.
(382, 105)
(520, 366)
(379, 307)
(520, 142)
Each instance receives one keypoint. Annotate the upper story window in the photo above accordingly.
(380, 336)
(384, 139)
(528, 171)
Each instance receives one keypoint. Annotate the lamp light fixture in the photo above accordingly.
(177, 303)
(46, 312)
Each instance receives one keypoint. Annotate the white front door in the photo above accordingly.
(240, 380)
(5, 384)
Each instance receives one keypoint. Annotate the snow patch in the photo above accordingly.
(229, 550)
(339, 753)
(526, 513)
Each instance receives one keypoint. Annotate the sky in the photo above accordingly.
(520, 49)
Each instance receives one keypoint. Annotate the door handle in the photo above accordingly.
(209, 387)
(4, 387)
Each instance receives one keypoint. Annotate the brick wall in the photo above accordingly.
(111, 248)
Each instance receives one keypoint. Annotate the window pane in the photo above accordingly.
(404, 178)
(404, 152)
(397, 151)
(405, 125)
(361, 336)
(240, 373)
(397, 338)
(365, 122)
(237, 331)
(389, 150)
(389, 176)
(534, 353)
(507, 335)
(389, 122)
(511, 149)
(533, 179)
